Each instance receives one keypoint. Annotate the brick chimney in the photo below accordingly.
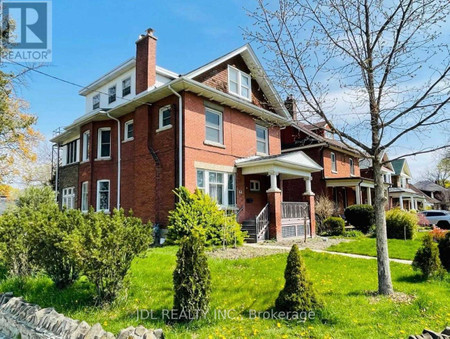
(145, 61)
(291, 106)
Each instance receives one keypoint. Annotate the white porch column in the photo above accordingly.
(358, 194)
(369, 196)
(308, 190)
(400, 199)
(273, 183)
(413, 203)
(410, 202)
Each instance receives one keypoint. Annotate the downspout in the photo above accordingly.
(118, 157)
(180, 136)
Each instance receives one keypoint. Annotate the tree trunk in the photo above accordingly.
(384, 272)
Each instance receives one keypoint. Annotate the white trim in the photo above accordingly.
(161, 116)
(68, 197)
(239, 85)
(86, 144)
(125, 130)
(214, 167)
(164, 128)
(351, 162)
(333, 155)
(84, 193)
(219, 128)
(99, 144)
(98, 195)
(265, 141)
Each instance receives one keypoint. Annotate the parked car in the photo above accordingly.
(439, 218)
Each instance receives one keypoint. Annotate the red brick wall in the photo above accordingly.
(239, 137)
(342, 163)
(218, 78)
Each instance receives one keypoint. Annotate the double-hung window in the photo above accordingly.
(85, 153)
(261, 139)
(72, 152)
(352, 167)
(104, 143)
(165, 117)
(96, 101)
(129, 130)
(112, 94)
(239, 83)
(333, 162)
(214, 131)
(103, 190)
(218, 185)
(84, 197)
(68, 197)
(126, 87)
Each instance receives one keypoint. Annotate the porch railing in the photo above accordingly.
(262, 223)
(294, 210)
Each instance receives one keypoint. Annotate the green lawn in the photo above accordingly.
(398, 249)
(343, 283)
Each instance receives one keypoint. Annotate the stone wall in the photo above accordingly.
(19, 319)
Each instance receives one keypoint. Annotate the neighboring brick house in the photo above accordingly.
(216, 128)
(340, 180)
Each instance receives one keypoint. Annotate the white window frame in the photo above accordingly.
(333, 162)
(99, 142)
(72, 149)
(125, 130)
(94, 101)
(123, 87)
(111, 96)
(225, 185)
(84, 196)
(68, 198)
(161, 127)
(255, 185)
(352, 166)
(219, 128)
(98, 195)
(265, 141)
(240, 74)
(85, 150)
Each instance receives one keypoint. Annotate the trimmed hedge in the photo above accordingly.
(401, 224)
(362, 217)
(334, 225)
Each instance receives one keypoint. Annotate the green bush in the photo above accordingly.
(198, 212)
(298, 293)
(104, 247)
(444, 251)
(36, 196)
(427, 258)
(48, 238)
(334, 225)
(362, 217)
(191, 279)
(14, 228)
(400, 223)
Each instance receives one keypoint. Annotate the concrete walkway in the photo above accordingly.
(350, 255)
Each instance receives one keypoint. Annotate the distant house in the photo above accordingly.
(340, 179)
(439, 196)
(401, 192)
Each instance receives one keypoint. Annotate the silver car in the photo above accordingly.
(437, 217)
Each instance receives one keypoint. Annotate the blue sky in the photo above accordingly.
(92, 37)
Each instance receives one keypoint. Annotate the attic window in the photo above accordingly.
(239, 83)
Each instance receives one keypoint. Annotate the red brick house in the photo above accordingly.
(148, 130)
(340, 179)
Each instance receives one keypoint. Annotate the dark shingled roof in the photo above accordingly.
(429, 186)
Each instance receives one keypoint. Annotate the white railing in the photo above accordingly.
(294, 210)
(262, 223)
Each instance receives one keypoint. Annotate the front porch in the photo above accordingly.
(265, 215)
(350, 191)
(406, 199)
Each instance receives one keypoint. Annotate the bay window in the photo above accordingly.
(219, 186)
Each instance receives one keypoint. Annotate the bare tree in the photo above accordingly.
(387, 58)
(441, 174)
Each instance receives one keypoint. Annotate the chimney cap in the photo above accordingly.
(149, 32)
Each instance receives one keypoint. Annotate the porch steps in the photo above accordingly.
(249, 226)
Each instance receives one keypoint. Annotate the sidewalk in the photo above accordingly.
(358, 256)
